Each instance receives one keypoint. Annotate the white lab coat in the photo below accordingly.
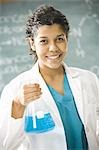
(85, 89)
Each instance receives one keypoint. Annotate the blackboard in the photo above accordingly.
(83, 16)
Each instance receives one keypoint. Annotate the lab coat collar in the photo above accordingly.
(70, 71)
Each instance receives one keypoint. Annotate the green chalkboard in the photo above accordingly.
(83, 39)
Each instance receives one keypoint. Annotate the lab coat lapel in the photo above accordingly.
(75, 85)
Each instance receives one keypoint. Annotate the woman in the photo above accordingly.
(69, 95)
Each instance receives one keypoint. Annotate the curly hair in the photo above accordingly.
(45, 15)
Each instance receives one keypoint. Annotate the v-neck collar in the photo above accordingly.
(64, 87)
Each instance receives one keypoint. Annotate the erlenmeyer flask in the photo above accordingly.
(38, 118)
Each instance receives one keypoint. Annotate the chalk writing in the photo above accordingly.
(15, 18)
(12, 30)
(12, 38)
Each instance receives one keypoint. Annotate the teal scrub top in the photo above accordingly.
(73, 126)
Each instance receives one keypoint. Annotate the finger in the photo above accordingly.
(31, 96)
(31, 90)
(34, 98)
(28, 88)
(31, 85)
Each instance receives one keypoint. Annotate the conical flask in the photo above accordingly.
(38, 118)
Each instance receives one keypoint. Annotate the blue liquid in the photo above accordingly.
(43, 124)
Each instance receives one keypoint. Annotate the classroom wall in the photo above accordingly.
(83, 16)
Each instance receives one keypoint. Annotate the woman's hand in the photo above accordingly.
(27, 94)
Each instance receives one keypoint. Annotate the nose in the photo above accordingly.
(53, 47)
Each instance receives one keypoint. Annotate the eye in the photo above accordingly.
(60, 39)
(43, 42)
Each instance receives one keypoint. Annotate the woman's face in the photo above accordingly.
(50, 44)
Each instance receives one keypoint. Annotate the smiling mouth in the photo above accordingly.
(53, 57)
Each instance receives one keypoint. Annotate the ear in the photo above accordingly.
(31, 43)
